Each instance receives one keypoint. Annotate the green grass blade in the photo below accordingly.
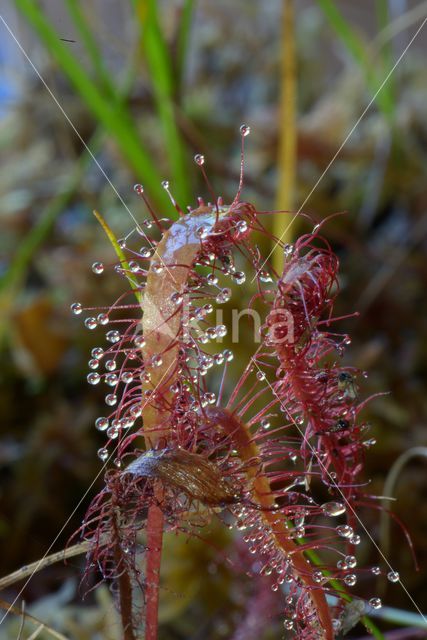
(12, 280)
(120, 254)
(160, 68)
(338, 587)
(372, 628)
(359, 51)
(184, 33)
(113, 117)
(383, 19)
(401, 617)
(91, 46)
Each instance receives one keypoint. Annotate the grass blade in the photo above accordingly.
(91, 46)
(359, 52)
(12, 280)
(120, 254)
(115, 118)
(184, 32)
(160, 67)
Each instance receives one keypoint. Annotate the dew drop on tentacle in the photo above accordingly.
(91, 323)
(102, 423)
(245, 130)
(177, 298)
(336, 624)
(145, 252)
(103, 454)
(288, 250)
(393, 576)
(76, 308)
(113, 432)
(350, 561)
(111, 379)
(318, 577)
(93, 378)
(134, 266)
(241, 226)
(224, 295)
(156, 360)
(199, 159)
(264, 276)
(98, 268)
(239, 277)
(345, 531)
(375, 603)
(202, 232)
(333, 508)
(369, 443)
(139, 341)
(157, 267)
(221, 330)
(113, 336)
(135, 410)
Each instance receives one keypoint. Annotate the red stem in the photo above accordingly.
(125, 589)
(154, 556)
(248, 450)
(161, 324)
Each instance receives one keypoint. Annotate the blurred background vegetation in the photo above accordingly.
(146, 85)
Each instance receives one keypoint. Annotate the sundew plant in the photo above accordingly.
(279, 460)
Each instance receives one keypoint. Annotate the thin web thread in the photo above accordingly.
(155, 250)
(341, 147)
(75, 509)
(334, 484)
(76, 131)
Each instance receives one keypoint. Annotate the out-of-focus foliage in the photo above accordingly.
(147, 86)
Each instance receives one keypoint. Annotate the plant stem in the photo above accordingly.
(152, 573)
(162, 325)
(263, 495)
(125, 587)
(30, 569)
(26, 616)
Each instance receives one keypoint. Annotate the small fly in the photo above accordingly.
(347, 385)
